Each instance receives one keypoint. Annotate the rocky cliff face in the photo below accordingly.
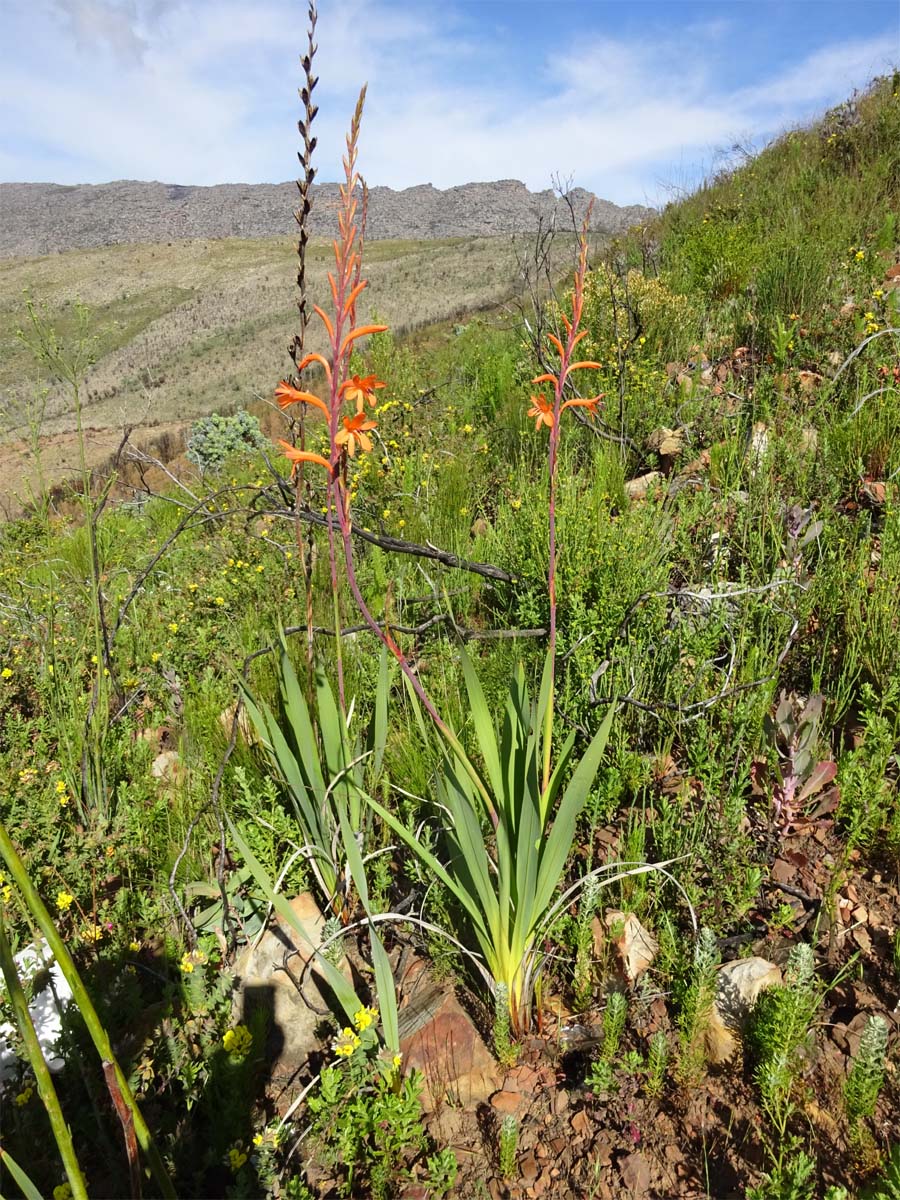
(45, 218)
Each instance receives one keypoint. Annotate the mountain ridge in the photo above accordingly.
(46, 218)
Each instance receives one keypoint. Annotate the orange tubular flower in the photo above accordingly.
(590, 405)
(359, 391)
(286, 395)
(320, 359)
(542, 411)
(301, 456)
(355, 430)
(362, 331)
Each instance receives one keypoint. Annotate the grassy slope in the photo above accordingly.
(769, 275)
(180, 324)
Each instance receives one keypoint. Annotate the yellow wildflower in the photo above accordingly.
(64, 901)
(191, 959)
(364, 1018)
(346, 1043)
(238, 1041)
(24, 1096)
(237, 1156)
(6, 673)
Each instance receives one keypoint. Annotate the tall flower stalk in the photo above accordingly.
(548, 412)
(348, 434)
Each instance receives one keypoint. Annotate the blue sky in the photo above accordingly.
(630, 99)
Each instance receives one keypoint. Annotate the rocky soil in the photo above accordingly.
(45, 218)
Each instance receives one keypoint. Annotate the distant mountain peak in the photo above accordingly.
(46, 218)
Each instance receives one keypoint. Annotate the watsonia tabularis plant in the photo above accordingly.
(511, 824)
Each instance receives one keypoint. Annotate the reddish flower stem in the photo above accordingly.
(553, 456)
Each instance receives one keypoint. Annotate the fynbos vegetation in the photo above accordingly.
(480, 779)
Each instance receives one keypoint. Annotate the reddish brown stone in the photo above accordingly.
(507, 1103)
(451, 1054)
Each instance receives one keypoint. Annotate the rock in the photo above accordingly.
(451, 1054)
(166, 766)
(635, 946)
(507, 1103)
(522, 1079)
(637, 489)
(528, 1169)
(262, 979)
(738, 985)
(480, 528)
(581, 1122)
(808, 440)
(808, 382)
(667, 443)
(49, 994)
(635, 1172)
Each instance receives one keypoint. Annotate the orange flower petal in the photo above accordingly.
(593, 365)
(286, 395)
(351, 299)
(544, 379)
(557, 343)
(363, 331)
(298, 456)
(326, 320)
(323, 362)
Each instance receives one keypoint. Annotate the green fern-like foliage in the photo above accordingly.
(867, 1072)
(697, 1007)
(780, 1031)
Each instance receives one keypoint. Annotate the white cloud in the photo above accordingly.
(204, 91)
